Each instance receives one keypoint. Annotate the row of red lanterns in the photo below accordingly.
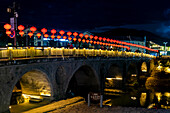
(53, 31)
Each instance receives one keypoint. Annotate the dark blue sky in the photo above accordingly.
(93, 15)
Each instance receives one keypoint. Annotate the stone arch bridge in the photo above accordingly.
(56, 77)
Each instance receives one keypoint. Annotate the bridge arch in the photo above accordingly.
(33, 82)
(132, 74)
(114, 76)
(83, 80)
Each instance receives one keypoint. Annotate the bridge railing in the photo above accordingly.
(30, 52)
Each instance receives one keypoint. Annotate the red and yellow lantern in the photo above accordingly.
(21, 33)
(81, 35)
(75, 34)
(86, 36)
(30, 34)
(69, 33)
(43, 30)
(33, 29)
(46, 35)
(62, 32)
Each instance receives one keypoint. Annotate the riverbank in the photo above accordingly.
(77, 105)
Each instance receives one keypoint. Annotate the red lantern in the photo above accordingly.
(75, 34)
(64, 37)
(91, 41)
(58, 36)
(79, 39)
(74, 39)
(111, 40)
(52, 36)
(43, 30)
(91, 36)
(46, 35)
(38, 35)
(69, 33)
(98, 42)
(95, 37)
(94, 42)
(81, 35)
(53, 31)
(100, 38)
(7, 26)
(108, 39)
(21, 33)
(21, 27)
(104, 39)
(30, 34)
(62, 32)
(8, 32)
(101, 43)
(83, 40)
(86, 36)
(69, 38)
(33, 29)
(87, 41)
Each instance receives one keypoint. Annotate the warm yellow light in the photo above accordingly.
(158, 95)
(117, 78)
(109, 78)
(133, 98)
(133, 75)
(167, 94)
(9, 107)
(167, 69)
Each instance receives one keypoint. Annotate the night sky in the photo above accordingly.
(93, 15)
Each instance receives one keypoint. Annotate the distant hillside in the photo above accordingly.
(123, 33)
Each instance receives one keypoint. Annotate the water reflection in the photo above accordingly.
(150, 97)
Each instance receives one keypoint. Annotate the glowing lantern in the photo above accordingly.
(75, 34)
(8, 32)
(21, 27)
(81, 35)
(64, 37)
(62, 32)
(33, 29)
(43, 30)
(100, 38)
(38, 35)
(91, 41)
(87, 41)
(74, 39)
(53, 31)
(104, 39)
(109, 44)
(52, 36)
(21, 33)
(58, 36)
(46, 35)
(98, 42)
(30, 34)
(79, 39)
(69, 33)
(7, 26)
(108, 39)
(95, 37)
(69, 38)
(111, 40)
(101, 43)
(91, 36)
(94, 42)
(83, 40)
(86, 36)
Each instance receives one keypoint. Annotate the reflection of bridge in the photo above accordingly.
(51, 72)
